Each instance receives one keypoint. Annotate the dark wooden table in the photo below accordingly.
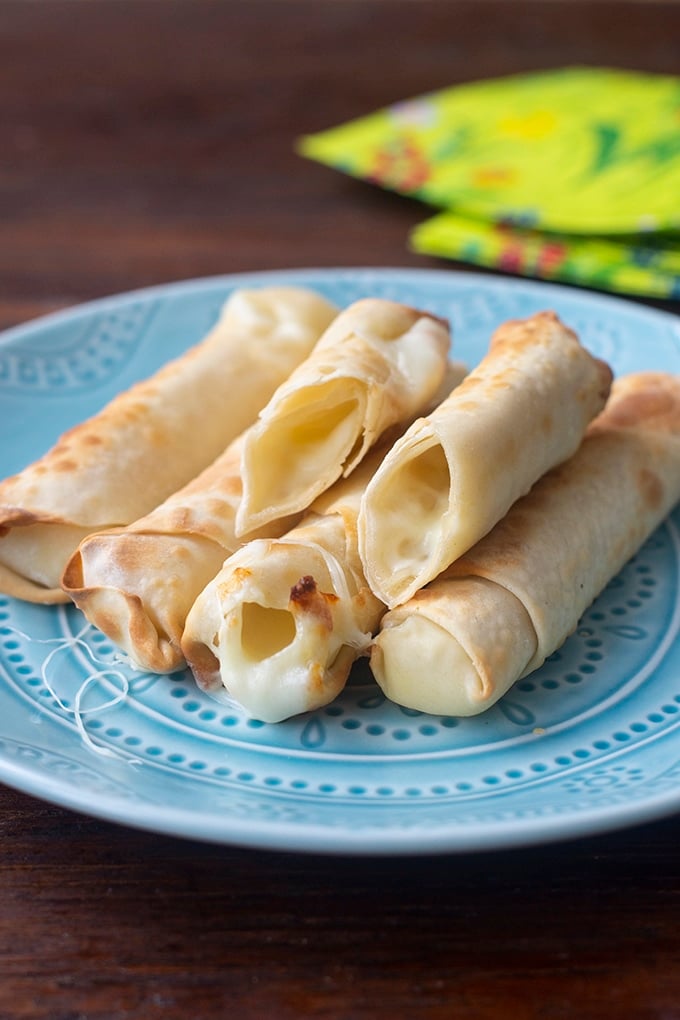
(152, 141)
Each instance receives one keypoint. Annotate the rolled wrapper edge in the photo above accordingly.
(145, 626)
(370, 375)
(275, 682)
(18, 587)
(448, 650)
(103, 472)
(463, 455)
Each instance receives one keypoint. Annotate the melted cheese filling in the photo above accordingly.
(412, 525)
(265, 631)
(287, 459)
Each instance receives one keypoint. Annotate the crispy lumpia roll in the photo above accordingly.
(153, 438)
(138, 583)
(281, 624)
(498, 612)
(376, 365)
(456, 472)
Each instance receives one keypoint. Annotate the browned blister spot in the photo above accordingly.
(305, 597)
(469, 406)
(651, 488)
(303, 589)
(316, 678)
(235, 580)
(180, 519)
(132, 411)
(520, 332)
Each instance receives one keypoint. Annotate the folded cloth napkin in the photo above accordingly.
(571, 174)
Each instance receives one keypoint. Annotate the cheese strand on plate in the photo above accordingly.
(498, 612)
(153, 438)
(376, 365)
(281, 624)
(455, 473)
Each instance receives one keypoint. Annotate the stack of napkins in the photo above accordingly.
(569, 175)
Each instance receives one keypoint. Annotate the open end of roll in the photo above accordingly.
(301, 453)
(39, 552)
(270, 666)
(420, 666)
(406, 531)
(265, 631)
(138, 588)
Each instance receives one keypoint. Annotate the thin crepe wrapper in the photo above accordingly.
(137, 584)
(497, 613)
(153, 438)
(456, 472)
(312, 576)
(376, 365)
(311, 590)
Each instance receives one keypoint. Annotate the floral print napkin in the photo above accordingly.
(571, 175)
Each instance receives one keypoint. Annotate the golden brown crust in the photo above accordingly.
(644, 399)
(156, 436)
(456, 472)
(19, 587)
(522, 331)
(306, 597)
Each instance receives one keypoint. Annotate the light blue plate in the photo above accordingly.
(589, 743)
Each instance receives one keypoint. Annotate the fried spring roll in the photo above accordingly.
(456, 472)
(375, 366)
(137, 584)
(153, 438)
(498, 612)
(282, 623)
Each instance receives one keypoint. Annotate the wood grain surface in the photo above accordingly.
(142, 142)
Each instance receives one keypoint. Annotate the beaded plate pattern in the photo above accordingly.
(591, 741)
